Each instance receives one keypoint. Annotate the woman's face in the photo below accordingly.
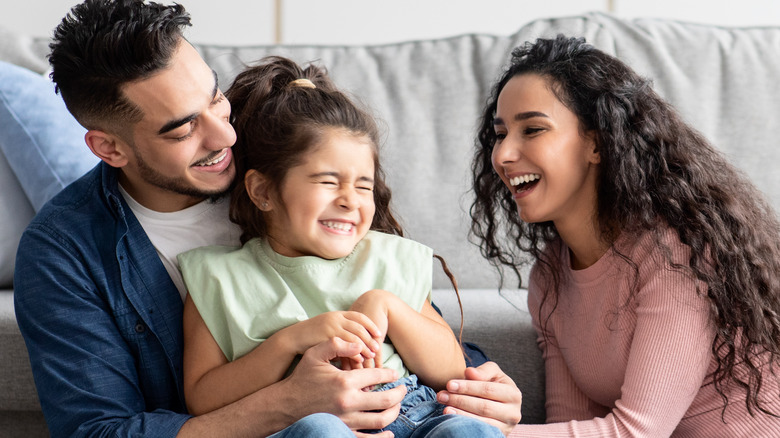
(545, 160)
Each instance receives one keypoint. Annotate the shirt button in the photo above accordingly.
(140, 328)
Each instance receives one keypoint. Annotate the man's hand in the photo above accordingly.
(317, 386)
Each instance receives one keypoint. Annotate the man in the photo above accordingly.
(96, 291)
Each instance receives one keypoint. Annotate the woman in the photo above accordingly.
(654, 290)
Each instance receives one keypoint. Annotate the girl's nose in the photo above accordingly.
(348, 199)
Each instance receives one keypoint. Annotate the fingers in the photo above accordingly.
(497, 403)
(333, 349)
(495, 391)
(385, 434)
(366, 322)
(378, 409)
(359, 328)
(488, 372)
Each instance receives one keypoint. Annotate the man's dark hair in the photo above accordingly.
(102, 45)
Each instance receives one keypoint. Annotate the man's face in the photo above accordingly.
(180, 151)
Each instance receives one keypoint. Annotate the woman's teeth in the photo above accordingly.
(531, 177)
(341, 226)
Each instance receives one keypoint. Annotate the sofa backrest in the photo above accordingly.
(724, 81)
(428, 95)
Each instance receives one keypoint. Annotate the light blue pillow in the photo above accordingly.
(42, 142)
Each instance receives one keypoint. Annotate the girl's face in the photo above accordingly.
(327, 202)
(541, 155)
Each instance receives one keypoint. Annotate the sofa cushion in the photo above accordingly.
(15, 214)
(42, 142)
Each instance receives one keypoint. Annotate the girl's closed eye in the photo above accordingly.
(328, 182)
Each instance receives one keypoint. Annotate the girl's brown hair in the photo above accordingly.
(277, 122)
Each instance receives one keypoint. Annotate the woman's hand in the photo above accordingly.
(487, 394)
(353, 327)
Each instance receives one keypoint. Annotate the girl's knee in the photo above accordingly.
(466, 427)
(319, 425)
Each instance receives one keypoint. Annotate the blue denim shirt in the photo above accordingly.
(100, 316)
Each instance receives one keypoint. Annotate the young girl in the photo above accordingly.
(322, 257)
(656, 285)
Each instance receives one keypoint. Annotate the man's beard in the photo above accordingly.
(173, 184)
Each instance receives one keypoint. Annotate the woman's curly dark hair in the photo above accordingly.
(656, 171)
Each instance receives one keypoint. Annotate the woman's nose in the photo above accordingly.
(505, 152)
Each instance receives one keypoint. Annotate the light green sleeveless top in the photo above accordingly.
(247, 294)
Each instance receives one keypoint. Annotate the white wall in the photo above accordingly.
(379, 21)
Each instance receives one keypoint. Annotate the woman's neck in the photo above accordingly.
(585, 241)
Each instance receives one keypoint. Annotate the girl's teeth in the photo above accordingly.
(343, 226)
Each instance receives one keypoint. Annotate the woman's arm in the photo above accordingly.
(423, 339)
(211, 381)
(667, 363)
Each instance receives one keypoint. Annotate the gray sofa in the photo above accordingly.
(427, 95)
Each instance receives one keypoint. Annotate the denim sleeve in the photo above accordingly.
(84, 368)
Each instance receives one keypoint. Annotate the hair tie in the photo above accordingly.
(303, 83)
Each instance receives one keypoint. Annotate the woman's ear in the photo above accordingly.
(108, 147)
(593, 150)
(258, 188)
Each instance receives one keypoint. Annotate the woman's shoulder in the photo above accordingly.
(658, 246)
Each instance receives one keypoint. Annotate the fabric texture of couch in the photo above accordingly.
(427, 95)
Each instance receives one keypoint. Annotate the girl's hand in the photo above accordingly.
(350, 326)
(374, 305)
(487, 394)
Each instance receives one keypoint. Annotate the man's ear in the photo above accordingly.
(258, 188)
(108, 147)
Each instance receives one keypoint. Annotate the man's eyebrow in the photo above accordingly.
(173, 124)
(521, 116)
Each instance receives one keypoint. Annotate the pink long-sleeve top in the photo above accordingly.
(621, 366)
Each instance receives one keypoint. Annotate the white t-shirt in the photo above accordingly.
(203, 224)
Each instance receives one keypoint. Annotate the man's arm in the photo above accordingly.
(86, 368)
(95, 378)
(211, 381)
(314, 386)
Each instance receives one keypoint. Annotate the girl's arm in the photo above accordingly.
(211, 381)
(425, 342)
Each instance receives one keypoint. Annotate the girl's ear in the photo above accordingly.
(108, 147)
(258, 188)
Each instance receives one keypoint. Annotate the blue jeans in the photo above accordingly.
(422, 416)
(316, 426)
